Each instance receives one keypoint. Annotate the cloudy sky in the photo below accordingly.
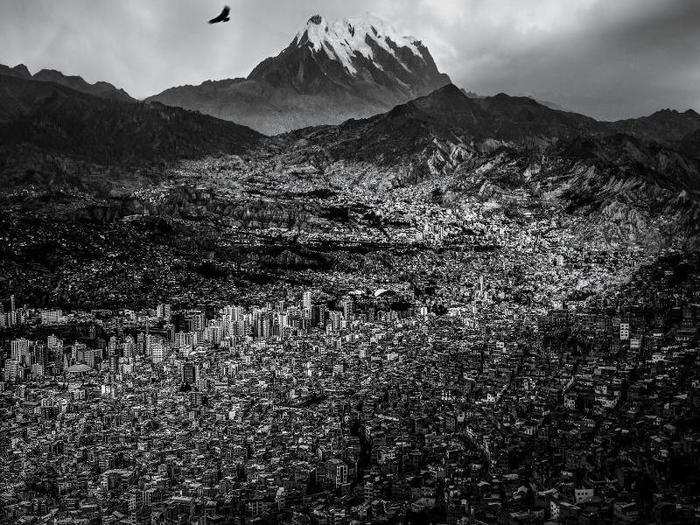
(608, 59)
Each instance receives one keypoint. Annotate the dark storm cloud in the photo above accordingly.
(623, 66)
(609, 59)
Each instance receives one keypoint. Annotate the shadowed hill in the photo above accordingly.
(667, 126)
(58, 119)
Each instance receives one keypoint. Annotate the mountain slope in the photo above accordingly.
(508, 143)
(356, 54)
(331, 71)
(449, 116)
(54, 119)
(690, 144)
(432, 135)
(98, 89)
(667, 126)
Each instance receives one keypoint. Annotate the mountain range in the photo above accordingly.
(160, 202)
(99, 89)
(482, 124)
(356, 68)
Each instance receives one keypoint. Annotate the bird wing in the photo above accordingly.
(222, 16)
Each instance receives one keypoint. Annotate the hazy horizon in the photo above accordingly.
(607, 61)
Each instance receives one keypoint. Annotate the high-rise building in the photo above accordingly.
(114, 364)
(189, 373)
(157, 351)
(306, 301)
(18, 348)
(336, 472)
(54, 342)
(39, 355)
(197, 322)
(624, 331)
(13, 370)
(141, 345)
(51, 316)
(336, 320)
(183, 339)
(213, 334)
(347, 308)
(163, 311)
(128, 347)
(318, 317)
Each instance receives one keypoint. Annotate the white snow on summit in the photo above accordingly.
(341, 39)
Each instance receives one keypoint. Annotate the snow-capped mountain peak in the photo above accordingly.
(329, 72)
(343, 39)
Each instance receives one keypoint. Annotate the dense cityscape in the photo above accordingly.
(372, 408)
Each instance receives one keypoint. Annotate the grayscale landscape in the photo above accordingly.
(349, 287)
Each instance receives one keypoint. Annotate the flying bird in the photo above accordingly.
(223, 17)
